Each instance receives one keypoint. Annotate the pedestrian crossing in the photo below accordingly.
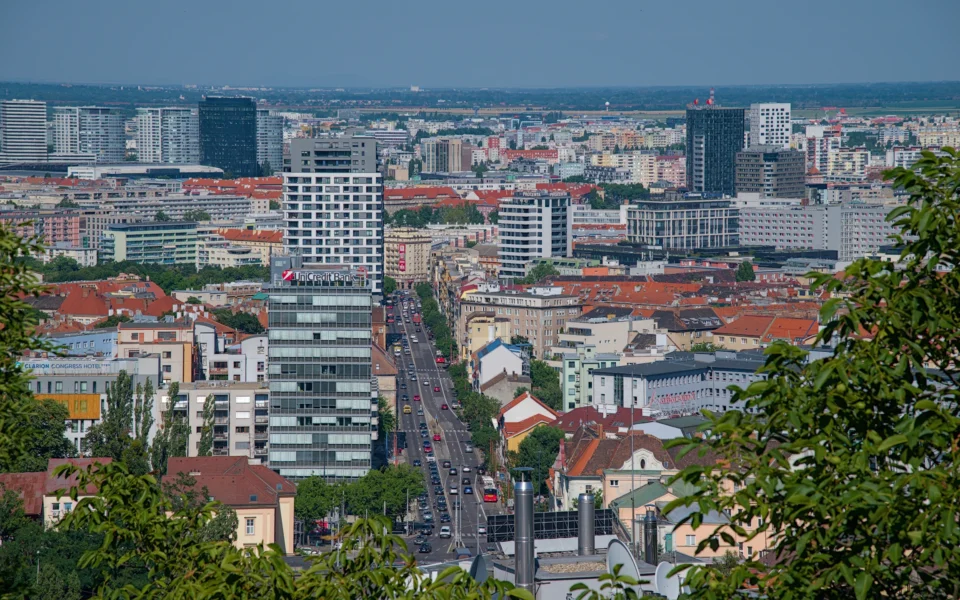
(417, 431)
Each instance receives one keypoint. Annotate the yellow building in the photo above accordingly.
(481, 329)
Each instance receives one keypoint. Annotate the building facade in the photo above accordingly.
(533, 225)
(168, 135)
(269, 142)
(683, 221)
(240, 416)
(714, 137)
(348, 154)
(228, 135)
(442, 155)
(23, 131)
(323, 404)
(406, 254)
(576, 374)
(93, 130)
(772, 172)
(150, 242)
(770, 124)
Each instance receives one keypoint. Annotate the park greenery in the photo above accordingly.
(464, 214)
(539, 451)
(850, 462)
(435, 321)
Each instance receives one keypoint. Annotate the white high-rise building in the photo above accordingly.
(269, 140)
(336, 219)
(95, 130)
(770, 124)
(533, 225)
(168, 135)
(23, 131)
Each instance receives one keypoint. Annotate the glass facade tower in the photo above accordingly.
(714, 137)
(228, 135)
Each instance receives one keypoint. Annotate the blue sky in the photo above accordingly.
(446, 43)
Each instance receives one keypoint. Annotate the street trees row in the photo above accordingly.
(389, 487)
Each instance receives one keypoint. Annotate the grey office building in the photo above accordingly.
(228, 135)
(349, 154)
(323, 399)
(772, 172)
(714, 137)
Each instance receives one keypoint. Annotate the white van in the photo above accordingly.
(445, 532)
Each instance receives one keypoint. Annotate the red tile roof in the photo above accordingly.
(512, 429)
(522, 397)
(29, 487)
(747, 326)
(233, 481)
(247, 235)
(54, 484)
(791, 330)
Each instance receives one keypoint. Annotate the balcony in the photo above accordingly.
(263, 404)
(260, 435)
(221, 436)
(260, 451)
(261, 420)
(223, 451)
(221, 420)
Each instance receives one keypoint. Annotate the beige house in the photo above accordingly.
(265, 243)
(263, 500)
(481, 329)
(174, 342)
(45, 496)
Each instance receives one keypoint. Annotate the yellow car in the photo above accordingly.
(406, 410)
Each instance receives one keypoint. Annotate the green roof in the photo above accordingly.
(260, 296)
(649, 493)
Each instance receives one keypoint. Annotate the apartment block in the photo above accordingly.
(442, 155)
(93, 130)
(535, 224)
(686, 221)
(269, 141)
(173, 342)
(714, 137)
(228, 135)
(168, 135)
(770, 124)
(241, 414)
(154, 242)
(576, 374)
(407, 256)
(772, 172)
(23, 131)
(348, 154)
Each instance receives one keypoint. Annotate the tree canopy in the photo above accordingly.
(540, 271)
(539, 451)
(745, 272)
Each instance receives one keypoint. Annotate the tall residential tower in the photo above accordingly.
(95, 130)
(168, 135)
(23, 131)
(714, 136)
(228, 135)
(533, 225)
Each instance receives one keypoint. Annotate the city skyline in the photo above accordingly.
(628, 45)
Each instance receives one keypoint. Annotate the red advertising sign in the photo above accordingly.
(403, 265)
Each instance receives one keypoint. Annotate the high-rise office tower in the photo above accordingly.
(533, 225)
(95, 130)
(442, 155)
(228, 135)
(269, 142)
(770, 124)
(714, 136)
(772, 172)
(168, 135)
(23, 131)
(323, 404)
(333, 204)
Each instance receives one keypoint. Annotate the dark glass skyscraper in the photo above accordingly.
(228, 135)
(714, 137)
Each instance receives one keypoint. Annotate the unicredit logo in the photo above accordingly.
(287, 275)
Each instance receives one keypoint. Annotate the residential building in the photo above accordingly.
(533, 224)
(228, 135)
(770, 125)
(45, 495)
(154, 242)
(576, 374)
(172, 341)
(348, 154)
(23, 131)
(772, 172)
(489, 258)
(213, 250)
(714, 137)
(539, 316)
(751, 332)
(406, 252)
(442, 155)
(385, 372)
(80, 384)
(220, 207)
(240, 416)
(93, 130)
(225, 359)
(687, 326)
(687, 221)
(323, 404)
(262, 499)
(336, 220)
(684, 385)
(85, 257)
(854, 230)
(503, 387)
(264, 242)
(847, 164)
(481, 329)
(606, 329)
(168, 135)
(519, 417)
(494, 359)
(607, 174)
(269, 142)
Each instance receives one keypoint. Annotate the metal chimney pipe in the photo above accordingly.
(585, 516)
(650, 538)
(523, 526)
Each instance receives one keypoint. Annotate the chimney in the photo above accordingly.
(524, 556)
(650, 549)
(585, 538)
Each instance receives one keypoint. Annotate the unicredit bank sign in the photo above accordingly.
(319, 276)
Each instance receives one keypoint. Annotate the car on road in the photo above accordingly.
(423, 425)
(436, 388)
(416, 397)
(407, 410)
(413, 377)
(431, 458)
(467, 489)
(453, 490)
(446, 464)
(403, 385)
(453, 471)
(445, 531)
(435, 480)
(419, 411)
(438, 489)
(405, 398)
(481, 530)
(444, 517)
(444, 407)
(425, 549)
(466, 468)
(428, 449)
(423, 433)
(468, 447)
(420, 539)
(436, 437)
(417, 463)
(466, 481)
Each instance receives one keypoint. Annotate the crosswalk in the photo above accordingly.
(417, 431)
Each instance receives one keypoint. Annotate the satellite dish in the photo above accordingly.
(619, 554)
(666, 584)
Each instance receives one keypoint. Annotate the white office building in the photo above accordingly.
(269, 140)
(23, 131)
(535, 224)
(168, 135)
(95, 130)
(770, 124)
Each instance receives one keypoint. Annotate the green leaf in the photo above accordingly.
(892, 441)
(864, 581)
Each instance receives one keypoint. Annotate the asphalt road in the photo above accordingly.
(454, 434)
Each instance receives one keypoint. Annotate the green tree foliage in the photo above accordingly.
(389, 285)
(182, 491)
(745, 272)
(618, 193)
(419, 218)
(539, 450)
(387, 420)
(414, 167)
(194, 300)
(274, 205)
(161, 216)
(243, 322)
(12, 517)
(168, 277)
(53, 585)
(112, 321)
(63, 264)
(67, 203)
(541, 271)
(196, 215)
(123, 430)
(852, 460)
(205, 447)
(316, 499)
(17, 321)
(173, 436)
(494, 217)
(546, 384)
(47, 422)
(576, 179)
(366, 496)
(705, 347)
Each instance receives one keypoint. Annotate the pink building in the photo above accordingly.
(672, 169)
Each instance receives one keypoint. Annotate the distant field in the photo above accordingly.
(905, 109)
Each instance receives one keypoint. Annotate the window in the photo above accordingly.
(250, 525)
(83, 386)
(614, 483)
(167, 368)
(168, 354)
(691, 539)
(76, 387)
(59, 386)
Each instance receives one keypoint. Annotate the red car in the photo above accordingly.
(436, 437)
(436, 388)
(444, 407)
(416, 397)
